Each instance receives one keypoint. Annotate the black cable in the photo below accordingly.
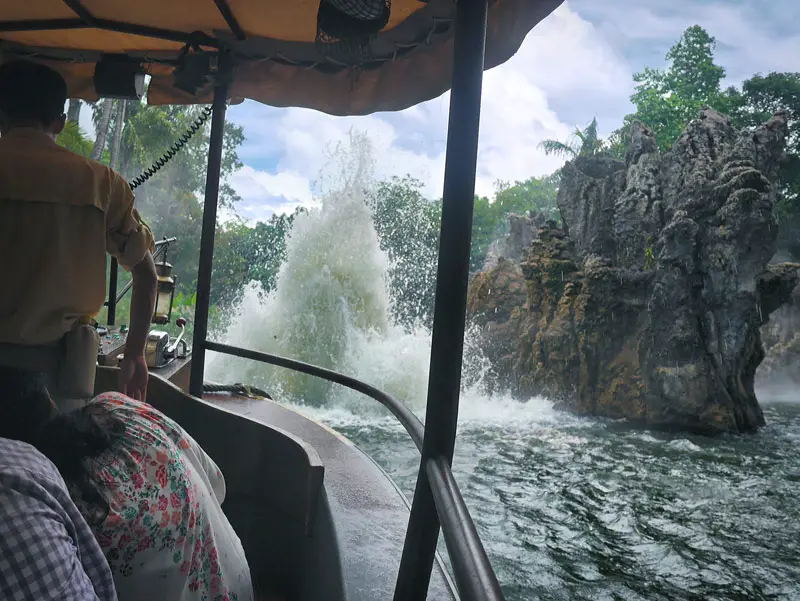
(173, 150)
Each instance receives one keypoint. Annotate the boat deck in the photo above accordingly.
(370, 513)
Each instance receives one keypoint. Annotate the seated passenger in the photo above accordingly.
(47, 551)
(151, 495)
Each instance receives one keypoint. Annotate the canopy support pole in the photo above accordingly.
(113, 276)
(451, 295)
(208, 232)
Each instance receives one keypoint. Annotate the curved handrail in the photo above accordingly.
(474, 576)
(411, 423)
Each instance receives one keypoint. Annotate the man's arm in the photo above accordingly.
(133, 371)
(130, 240)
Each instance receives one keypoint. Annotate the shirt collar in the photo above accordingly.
(28, 133)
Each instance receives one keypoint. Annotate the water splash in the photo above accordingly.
(331, 306)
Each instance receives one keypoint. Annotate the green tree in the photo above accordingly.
(490, 218)
(584, 142)
(264, 248)
(245, 254)
(408, 229)
(761, 97)
(73, 138)
(667, 99)
(532, 194)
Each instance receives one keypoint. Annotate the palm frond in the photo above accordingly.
(557, 148)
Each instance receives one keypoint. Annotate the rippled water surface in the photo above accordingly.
(574, 508)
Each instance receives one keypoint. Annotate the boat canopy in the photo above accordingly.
(342, 57)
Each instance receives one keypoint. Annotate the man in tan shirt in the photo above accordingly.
(59, 215)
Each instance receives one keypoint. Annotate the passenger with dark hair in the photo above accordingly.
(150, 494)
(60, 213)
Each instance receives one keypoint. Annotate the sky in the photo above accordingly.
(575, 65)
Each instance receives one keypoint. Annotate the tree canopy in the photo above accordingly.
(667, 99)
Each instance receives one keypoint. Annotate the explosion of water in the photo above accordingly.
(331, 305)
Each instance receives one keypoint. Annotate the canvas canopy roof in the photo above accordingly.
(283, 50)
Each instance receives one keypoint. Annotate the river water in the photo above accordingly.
(568, 507)
(577, 508)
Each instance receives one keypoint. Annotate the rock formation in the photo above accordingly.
(521, 232)
(495, 303)
(781, 336)
(648, 304)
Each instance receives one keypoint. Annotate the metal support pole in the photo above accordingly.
(207, 238)
(112, 292)
(451, 293)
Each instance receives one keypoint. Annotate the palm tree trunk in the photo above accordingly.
(115, 141)
(74, 110)
(102, 129)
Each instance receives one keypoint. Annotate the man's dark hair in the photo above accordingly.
(31, 92)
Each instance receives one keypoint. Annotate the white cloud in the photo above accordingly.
(752, 36)
(563, 55)
(575, 65)
(252, 184)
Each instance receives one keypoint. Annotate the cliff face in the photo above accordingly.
(648, 304)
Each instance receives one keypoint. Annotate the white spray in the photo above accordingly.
(331, 303)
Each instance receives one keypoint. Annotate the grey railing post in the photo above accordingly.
(451, 293)
(113, 275)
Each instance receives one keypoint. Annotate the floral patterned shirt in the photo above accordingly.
(165, 535)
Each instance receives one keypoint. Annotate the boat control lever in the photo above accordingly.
(171, 350)
(161, 350)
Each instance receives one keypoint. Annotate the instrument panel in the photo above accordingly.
(112, 344)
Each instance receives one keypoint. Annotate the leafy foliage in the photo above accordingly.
(249, 254)
(490, 218)
(74, 138)
(667, 99)
(584, 142)
(760, 98)
(408, 228)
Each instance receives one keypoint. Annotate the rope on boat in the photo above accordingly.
(173, 150)
(237, 389)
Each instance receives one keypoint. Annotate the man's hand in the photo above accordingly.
(133, 377)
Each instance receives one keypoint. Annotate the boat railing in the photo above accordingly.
(474, 577)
